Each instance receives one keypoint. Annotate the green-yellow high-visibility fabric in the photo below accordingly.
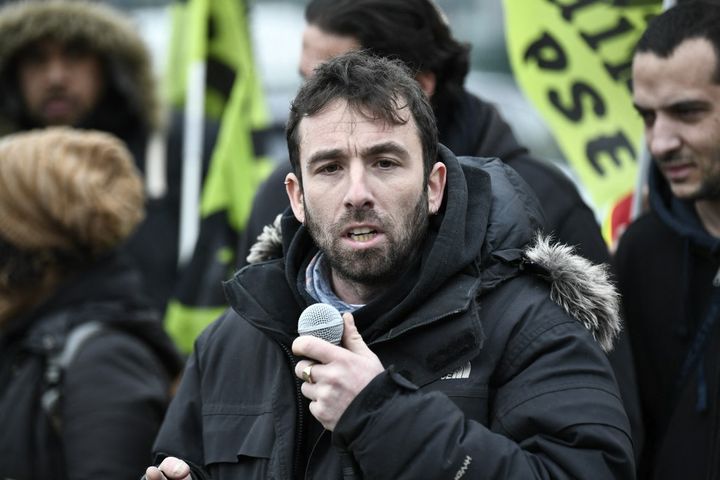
(216, 32)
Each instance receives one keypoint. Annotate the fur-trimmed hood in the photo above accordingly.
(581, 288)
(107, 31)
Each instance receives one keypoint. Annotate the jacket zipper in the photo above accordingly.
(312, 452)
(300, 414)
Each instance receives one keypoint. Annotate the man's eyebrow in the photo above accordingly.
(677, 105)
(692, 104)
(323, 155)
(386, 147)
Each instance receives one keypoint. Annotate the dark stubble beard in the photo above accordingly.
(372, 266)
(709, 188)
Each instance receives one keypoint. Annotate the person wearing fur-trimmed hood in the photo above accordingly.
(83, 64)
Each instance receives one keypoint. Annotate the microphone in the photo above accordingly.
(323, 321)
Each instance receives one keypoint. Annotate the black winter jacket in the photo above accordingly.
(668, 269)
(487, 377)
(113, 394)
(474, 127)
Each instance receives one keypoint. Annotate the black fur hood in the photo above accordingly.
(107, 31)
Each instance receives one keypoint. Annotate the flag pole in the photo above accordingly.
(192, 160)
(193, 137)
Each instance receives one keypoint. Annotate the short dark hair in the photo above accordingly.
(414, 31)
(686, 21)
(375, 87)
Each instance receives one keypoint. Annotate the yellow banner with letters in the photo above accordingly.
(572, 59)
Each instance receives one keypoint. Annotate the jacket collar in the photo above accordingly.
(677, 214)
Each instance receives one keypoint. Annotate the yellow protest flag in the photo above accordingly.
(235, 170)
(572, 59)
(215, 34)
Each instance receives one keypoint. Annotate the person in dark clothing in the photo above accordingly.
(668, 260)
(68, 199)
(414, 31)
(83, 64)
(455, 361)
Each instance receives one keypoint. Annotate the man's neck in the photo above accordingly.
(709, 213)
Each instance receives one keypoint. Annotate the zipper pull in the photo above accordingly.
(716, 280)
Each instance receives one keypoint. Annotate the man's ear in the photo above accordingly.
(436, 187)
(428, 82)
(295, 194)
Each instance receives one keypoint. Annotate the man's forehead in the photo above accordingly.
(688, 71)
(694, 57)
(319, 46)
(49, 44)
(338, 120)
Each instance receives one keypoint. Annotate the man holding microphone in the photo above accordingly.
(454, 361)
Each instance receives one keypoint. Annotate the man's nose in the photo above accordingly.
(663, 138)
(57, 69)
(359, 193)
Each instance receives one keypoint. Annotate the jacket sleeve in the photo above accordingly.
(554, 413)
(114, 396)
(181, 431)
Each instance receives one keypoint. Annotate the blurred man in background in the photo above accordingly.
(84, 65)
(668, 261)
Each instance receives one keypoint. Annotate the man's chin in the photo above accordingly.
(60, 121)
(56, 116)
(368, 277)
(685, 191)
(372, 273)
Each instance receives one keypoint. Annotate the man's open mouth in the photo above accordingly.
(362, 234)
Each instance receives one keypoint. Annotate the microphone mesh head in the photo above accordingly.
(323, 321)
